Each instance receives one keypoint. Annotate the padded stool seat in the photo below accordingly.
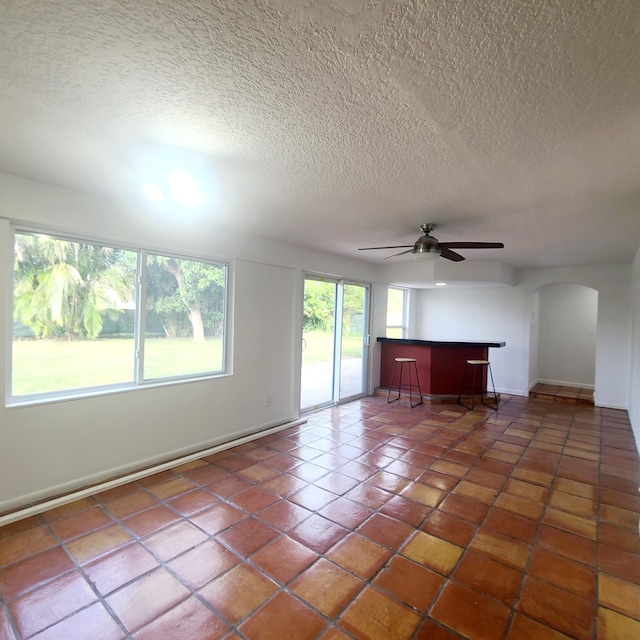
(405, 363)
(475, 365)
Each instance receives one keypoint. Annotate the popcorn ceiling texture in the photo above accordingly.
(358, 119)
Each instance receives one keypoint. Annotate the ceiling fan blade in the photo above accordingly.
(399, 254)
(472, 245)
(393, 246)
(450, 255)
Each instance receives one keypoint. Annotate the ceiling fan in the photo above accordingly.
(427, 244)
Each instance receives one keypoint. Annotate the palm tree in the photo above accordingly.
(67, 288)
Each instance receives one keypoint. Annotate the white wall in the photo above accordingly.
(634, 395)
(488, 314)
(568, 322)
(53, 448)
(534, 337)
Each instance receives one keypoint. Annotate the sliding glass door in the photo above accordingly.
(334, 341)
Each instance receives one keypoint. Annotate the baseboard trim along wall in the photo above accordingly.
(46, 505)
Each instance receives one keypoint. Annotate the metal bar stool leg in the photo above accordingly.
(493, 386)
(415, 367)
(393, 375)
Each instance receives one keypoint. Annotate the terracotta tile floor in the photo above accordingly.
(561, 394)
(371, 521)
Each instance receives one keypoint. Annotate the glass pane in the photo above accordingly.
(354, 321)
(74, 310)
(395, 308)
(317, 343)
(184, 317)
(394, 332)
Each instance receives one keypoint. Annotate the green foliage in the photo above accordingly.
(64, 288)
(319, 305)
(187, 295)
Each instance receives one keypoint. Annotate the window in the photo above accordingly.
(89, 316)
(396, 313)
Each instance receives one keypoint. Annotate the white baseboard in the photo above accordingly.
(69, 492)
(563, 383)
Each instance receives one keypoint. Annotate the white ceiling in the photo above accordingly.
(337, 124)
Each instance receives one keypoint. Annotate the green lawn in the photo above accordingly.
(318, 347)
(53, 365)
(41, 366)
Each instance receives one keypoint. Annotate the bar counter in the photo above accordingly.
(441, 364)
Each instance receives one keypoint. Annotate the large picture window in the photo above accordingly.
(90, 316)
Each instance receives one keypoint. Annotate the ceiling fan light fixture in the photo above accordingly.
(425, 253)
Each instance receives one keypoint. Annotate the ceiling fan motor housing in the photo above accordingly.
(426, 244)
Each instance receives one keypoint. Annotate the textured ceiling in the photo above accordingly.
(337, 124)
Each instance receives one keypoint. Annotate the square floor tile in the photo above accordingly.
(614, 626)
(512, 525)
(97, 544)
(409, 582)
(622, 596)
(32, 572)
(408, 511)
(92, 622)
(619, 563)
(359, 555)
(375, 616)
(470, 613)
(449, 528)
(345, 512)
(318, 533)
(509, 551)
(567, 612)
(284, 558)
(523, 628)
(423, 493)
(130, 504)
(247, 536)
(312, 497)
(568, 544)
(190, 619)
(80, 523)
(283, 612)
(174, 540)
(202, 564)
(563, 572)
(464, 508)
(119, 567)
(284, 515)
(435, 553)
(484, 575)
(146, 522)
(171, 488)
(25, 543)
(254, 499)
(385, 531)
(147, 598)
(338, 587)
(239, 592)
(218, 518)
(51, 603)
(189, 503)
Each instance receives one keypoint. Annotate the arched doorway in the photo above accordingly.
(563, 337)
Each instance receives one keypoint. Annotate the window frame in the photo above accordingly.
(405, 312)
(137, 363)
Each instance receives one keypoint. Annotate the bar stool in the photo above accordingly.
(405, 362)
(474, 365)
